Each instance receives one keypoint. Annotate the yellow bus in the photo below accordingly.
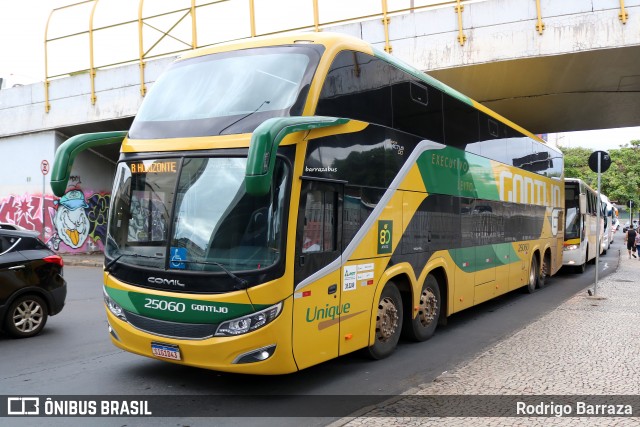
(283, 201)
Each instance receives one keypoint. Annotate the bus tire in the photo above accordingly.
(423, 326)
(544, 271)
(582, 268)
(533, 276)
(388, 323)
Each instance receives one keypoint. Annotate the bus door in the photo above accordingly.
(316, 304)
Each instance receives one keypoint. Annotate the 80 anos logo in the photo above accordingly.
(385, 237)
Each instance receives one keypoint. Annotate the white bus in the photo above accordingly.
(609, 218)
(581, 204)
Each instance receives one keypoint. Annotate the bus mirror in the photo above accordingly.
(583, 203)
(67, 152)
(264, 145)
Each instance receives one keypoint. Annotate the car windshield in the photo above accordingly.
(225, 93)
(194, 214)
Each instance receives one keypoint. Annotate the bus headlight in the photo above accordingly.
(248, 323)
(571, 247)
(113, 306)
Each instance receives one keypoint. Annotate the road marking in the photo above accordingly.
(605, 266)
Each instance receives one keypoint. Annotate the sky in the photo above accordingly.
(23, 22)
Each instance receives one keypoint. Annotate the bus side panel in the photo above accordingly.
(316, 318)
(359, 280)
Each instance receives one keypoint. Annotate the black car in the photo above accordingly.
(31, 283)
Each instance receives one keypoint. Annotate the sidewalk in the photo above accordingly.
(590, 345)
(95, 259)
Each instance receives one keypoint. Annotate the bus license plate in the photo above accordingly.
(166, 351)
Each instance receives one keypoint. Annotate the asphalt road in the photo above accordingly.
(74, 356)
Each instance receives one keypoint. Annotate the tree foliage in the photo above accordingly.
(620, 183)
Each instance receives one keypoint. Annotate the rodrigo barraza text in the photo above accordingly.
(577, 408)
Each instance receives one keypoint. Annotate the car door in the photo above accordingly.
(12, 267)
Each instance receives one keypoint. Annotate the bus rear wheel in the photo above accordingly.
(544, 271)
(533, 276)
(388, 323)
(423, 326)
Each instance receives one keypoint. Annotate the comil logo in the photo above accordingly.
(168, 282)
(23, 406)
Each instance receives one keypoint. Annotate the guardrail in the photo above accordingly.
(181, 26)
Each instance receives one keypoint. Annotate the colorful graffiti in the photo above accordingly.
(74, 223)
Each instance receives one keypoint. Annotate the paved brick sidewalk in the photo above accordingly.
(587, 346)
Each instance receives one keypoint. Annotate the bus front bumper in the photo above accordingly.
(266, 351)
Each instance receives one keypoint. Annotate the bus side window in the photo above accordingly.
(417, 107)
(461, 125)
(319, 233)
(357, 87)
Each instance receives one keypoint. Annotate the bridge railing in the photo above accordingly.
(98, 34)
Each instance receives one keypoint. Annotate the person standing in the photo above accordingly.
(630, 237)
(637, 242)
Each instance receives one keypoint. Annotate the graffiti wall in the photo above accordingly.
(73, 223)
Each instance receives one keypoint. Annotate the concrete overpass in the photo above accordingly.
(550, 66)
(580, 70)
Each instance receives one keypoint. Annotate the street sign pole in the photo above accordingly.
(595, 287)
(44, 168)
(599, 161)
(42, 204)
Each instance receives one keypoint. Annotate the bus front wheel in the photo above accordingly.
(423, 326)
(583, 267)
(388, 323)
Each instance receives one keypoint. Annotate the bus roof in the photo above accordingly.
(335, 42)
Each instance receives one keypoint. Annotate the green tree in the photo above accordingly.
(620, 183)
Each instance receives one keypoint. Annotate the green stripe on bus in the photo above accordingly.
(481, 258)
(451, 171)
(180, 309)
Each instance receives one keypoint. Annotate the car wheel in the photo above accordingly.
(26, 316)
(388, 323)
(422, 327)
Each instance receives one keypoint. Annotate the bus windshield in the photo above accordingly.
(226, 93)
(194, 214)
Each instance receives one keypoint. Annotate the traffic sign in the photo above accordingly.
(605, 161)
(44, 167)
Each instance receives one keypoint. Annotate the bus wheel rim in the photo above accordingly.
(427, 308)
(387, 321)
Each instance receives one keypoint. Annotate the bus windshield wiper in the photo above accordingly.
(245, 116)
(240, 283)
(131, 254)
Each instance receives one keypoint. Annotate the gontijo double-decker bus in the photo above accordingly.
(280, 202)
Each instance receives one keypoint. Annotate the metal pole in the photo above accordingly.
(599, 245)
(42, 204)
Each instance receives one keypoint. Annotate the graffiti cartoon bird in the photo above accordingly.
(71, 220)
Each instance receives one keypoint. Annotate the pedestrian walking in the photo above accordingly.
(637, 242)
(630, 237)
